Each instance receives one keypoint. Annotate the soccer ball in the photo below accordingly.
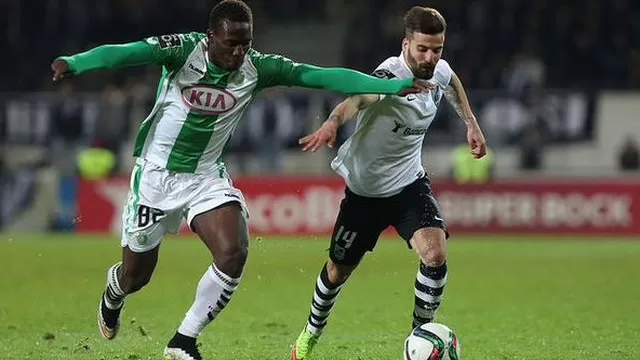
(432, 341)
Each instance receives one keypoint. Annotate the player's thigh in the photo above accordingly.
(417, 214)
(218, 214)
(357, 228)
(223, 229)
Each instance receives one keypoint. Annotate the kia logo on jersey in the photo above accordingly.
(208, 100)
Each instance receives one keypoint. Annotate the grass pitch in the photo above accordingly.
(507, 299)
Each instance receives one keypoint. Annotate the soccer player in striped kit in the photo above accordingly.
(381, 164)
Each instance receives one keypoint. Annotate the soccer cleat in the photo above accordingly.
(108, 320)
(182, 347)
(304, 345)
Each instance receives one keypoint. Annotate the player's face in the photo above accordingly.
(229, 43)
(422, 53)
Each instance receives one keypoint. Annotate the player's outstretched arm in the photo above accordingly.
(103, 57)
(457, 97)
(352, 82)
(276, 70)
(344, 111)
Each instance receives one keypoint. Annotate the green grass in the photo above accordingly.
(515, 298)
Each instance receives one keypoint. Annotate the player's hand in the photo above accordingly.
(60, 70)
(477, 143)
(417, 87)
(326, 134)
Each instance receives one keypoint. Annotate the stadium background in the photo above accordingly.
(555, 86)
(555, 90)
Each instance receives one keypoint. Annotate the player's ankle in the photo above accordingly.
(313, 331)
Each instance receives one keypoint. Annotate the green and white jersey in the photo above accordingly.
(198, 105)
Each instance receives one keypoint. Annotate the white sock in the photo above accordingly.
(213, 294)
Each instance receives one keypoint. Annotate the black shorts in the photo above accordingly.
(361, 220)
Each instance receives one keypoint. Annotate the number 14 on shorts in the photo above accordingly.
(343, 240)
(345, 237)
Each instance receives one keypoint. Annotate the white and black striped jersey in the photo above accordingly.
(384, 154)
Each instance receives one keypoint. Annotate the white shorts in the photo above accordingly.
(159, 199)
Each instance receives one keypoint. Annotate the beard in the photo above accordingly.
(420, 71)
(424, 73)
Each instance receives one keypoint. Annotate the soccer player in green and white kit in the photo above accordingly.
(386, 184)
(208, 81)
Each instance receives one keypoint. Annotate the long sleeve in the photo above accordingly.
(275, 70)
(345, 81)
(170, 51)
(111, 57)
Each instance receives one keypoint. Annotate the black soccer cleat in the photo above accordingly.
(108, 320)
(182, 347)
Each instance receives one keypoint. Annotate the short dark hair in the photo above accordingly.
(231, 10)
(424, 20)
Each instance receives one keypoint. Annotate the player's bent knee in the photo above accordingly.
(338, 274)
(434, 257)
(431, 246)
(230, 260)
(223, 229)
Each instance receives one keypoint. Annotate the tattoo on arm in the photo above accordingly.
(455, 95)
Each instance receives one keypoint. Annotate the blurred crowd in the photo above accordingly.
(507, 43)
(493, 43)
(519, 50)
